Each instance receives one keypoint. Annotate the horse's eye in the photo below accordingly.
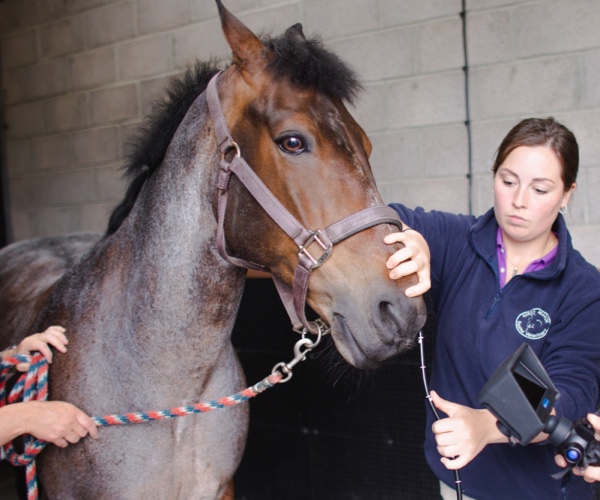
(291, 144)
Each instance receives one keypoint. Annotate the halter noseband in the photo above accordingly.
(293, 299)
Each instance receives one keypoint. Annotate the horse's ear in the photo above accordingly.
(295, 30)
(245, 45)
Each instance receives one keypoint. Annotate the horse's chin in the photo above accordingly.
(370, 352)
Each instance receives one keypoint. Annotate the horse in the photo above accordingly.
(150, 307)
(29, 269)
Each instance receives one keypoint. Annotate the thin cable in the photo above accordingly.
(463, 16)
(457, 481)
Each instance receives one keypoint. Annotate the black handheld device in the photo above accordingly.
(521, 396)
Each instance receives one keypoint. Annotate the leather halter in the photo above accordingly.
(294, 300)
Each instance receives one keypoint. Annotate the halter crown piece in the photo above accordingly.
(321, 239)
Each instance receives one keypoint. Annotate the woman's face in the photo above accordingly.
(528, 191)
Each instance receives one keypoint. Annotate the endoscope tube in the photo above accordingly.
(457, 481)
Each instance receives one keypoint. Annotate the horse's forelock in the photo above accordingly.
(307, 63)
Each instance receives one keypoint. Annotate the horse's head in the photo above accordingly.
(283, 100)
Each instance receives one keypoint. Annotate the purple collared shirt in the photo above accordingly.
(536, 265)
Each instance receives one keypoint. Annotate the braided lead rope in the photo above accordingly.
(181, 411)
(34, 386)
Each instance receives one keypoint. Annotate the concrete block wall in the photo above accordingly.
(79, 75)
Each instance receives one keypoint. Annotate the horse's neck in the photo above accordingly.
(164, 255)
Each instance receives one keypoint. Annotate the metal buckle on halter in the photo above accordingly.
(314, 236)
(232, 146)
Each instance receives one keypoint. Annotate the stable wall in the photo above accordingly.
(79, 75)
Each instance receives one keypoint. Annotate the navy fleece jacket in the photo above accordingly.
(555, 310)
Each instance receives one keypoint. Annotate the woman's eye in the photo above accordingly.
(291, 144)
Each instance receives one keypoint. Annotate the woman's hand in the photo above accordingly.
(55, 421)
(52, 336)
(466, 431)
(590, 474)
(413, 258)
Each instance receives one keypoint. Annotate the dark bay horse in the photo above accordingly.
(150, 308)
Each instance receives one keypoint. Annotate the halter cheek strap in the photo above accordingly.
(308, 241)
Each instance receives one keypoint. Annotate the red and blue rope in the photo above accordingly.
(33, 385)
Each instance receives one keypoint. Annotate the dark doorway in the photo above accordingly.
(312, 439)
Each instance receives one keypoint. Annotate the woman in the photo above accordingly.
(508, 277)
(57, 422)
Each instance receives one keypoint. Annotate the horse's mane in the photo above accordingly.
(304, 61)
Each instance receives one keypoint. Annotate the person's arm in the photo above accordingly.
(56, 422)
(413, 258)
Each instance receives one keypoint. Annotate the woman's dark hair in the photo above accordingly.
(543, 132)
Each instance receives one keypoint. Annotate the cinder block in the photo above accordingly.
(114, 104)
(151, 91)
(486, 138)
(489, 37)
(444, 151)
(585, 124)
(70, 187)
(145, 57)
(402, 12)
(51, 152)
(19, 49)
(555, 27)
(395, 155)
(20, 224)
(448, 194)
(30, 191)
(73, 6)
(206, 40)
(339, 18)
(67, 112)
(482, 193)
(55, 221)
(425, 100)
(585, 240)
(34, 12)
(369, 111)
(94, 217)
(63, 38)
(37, 81)
(16, 84)
(127, 134)
(119, 17)
(98, 145)
(199, 42)
(200, 10)
(110, 186)
(531, 87)
(440, 46)
(4, 17)
(25, 120)
(93, 68)
(380, 55)
(158, 15)
(18, 157)
(591, 65)
(276, 20)
(475, 5)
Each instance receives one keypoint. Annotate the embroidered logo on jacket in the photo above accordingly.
(533, 324)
